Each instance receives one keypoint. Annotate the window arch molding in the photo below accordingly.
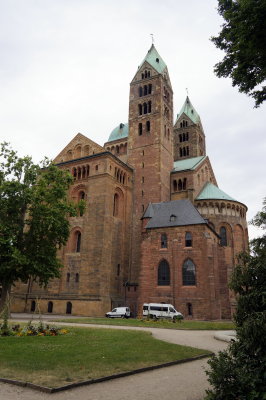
(163, 276)
(188, 273)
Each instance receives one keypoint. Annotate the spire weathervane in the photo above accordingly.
(152, 38)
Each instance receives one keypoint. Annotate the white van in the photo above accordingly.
(119, 312)
(160, 310)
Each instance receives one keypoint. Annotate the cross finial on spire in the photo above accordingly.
(187, 91)
(152, 38)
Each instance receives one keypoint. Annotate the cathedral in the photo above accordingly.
(156, 227)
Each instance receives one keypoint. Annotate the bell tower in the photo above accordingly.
(150, 140)
(189, 137)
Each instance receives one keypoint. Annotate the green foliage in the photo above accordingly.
(243, 39)
(240, 372)
(33, 219)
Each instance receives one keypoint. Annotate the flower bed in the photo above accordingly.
(30, 329)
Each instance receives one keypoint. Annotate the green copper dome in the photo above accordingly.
(154, 59)
(120, 132)
(212, 192)
(190, 111)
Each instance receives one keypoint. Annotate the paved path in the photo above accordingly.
(180, 382)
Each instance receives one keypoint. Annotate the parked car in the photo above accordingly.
(119, 312)
(160, 310)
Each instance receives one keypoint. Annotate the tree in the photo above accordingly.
(239, 372)
(34, 223)
(243, 38)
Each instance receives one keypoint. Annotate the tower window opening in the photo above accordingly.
(140, 91)
(180, 186)
(149, 88)
(140, 109)
(149, 107)
(140, 129)
(68, 277)
(145, 108)
(145, 90)
(118, 270)
(148, 126)
(77, 278)
(180, 138)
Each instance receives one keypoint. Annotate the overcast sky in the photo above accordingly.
(66, 66)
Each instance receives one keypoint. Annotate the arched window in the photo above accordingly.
(116, 204)
(77, 277)
(140, 109)
(189, 309)
(140, 129)
(188, 239)
(183, 137)
(181, 152)
(150, 88)
(140, 91)
(50, 307)
(175, 186)
(189, 273)
(78, 242)
(163, 241)
(187, 136)
(68, 277)
(145, 90)
(69, 307)
(148, 126)
(145, 108)
(163, 273)
(184, 183)
(180, 138)
(223, 236)
(149, 107)
(180, 185)
(33, 306)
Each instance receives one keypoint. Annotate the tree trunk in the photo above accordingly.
(5, 295)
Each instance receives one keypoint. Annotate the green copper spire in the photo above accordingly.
(190, 111)
(155, 60)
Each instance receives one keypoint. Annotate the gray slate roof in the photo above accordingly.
(172, 213)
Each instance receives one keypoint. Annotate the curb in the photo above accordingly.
(104, 379)
(226, 336)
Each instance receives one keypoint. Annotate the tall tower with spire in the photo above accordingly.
(150, 140)
(189, 137)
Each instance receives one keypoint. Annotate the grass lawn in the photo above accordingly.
(191, 325)
(84, 354)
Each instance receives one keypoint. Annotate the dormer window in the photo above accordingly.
(172, 218)
(157, 60)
